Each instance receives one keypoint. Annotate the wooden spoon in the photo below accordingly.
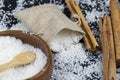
(21, 59)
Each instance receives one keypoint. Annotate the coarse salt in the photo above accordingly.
(9, 48)
(64, 39)
(71, 62)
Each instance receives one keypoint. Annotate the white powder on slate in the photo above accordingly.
(70, 57)
(9, 48)
(19, 6)
(91, 16)
(3, 28)
(20, 27)
(1, 3)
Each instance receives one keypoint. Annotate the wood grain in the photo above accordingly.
(115, 16)
(108, 50)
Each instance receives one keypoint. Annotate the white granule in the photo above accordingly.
(61, 7)
(19, 26)
(3, 28)
(19, 6)
(64, 39)
(91, 15)
(1, 3)
(9, 48)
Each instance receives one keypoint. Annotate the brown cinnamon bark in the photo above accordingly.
(109, 62)
(89, 38)
(112, 60)
(116, 27)
(86, 27)
(88, 45)
(105, 49)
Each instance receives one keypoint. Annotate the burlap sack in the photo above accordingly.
(47, 20)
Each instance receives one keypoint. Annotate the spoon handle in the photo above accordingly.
(6, 66)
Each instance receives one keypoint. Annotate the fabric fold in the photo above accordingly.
(47, 20)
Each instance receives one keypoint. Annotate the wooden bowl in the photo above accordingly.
(37, 42)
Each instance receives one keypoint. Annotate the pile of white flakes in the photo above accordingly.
(11, 47)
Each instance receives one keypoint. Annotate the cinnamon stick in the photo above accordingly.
(112, 60)
(116, 27)
(88, 45)
(105, 49)
(70, 7)
(85, 25)
(109, 62)
(119, 11)
(89, 38)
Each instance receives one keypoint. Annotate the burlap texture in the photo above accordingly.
(47, 20)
